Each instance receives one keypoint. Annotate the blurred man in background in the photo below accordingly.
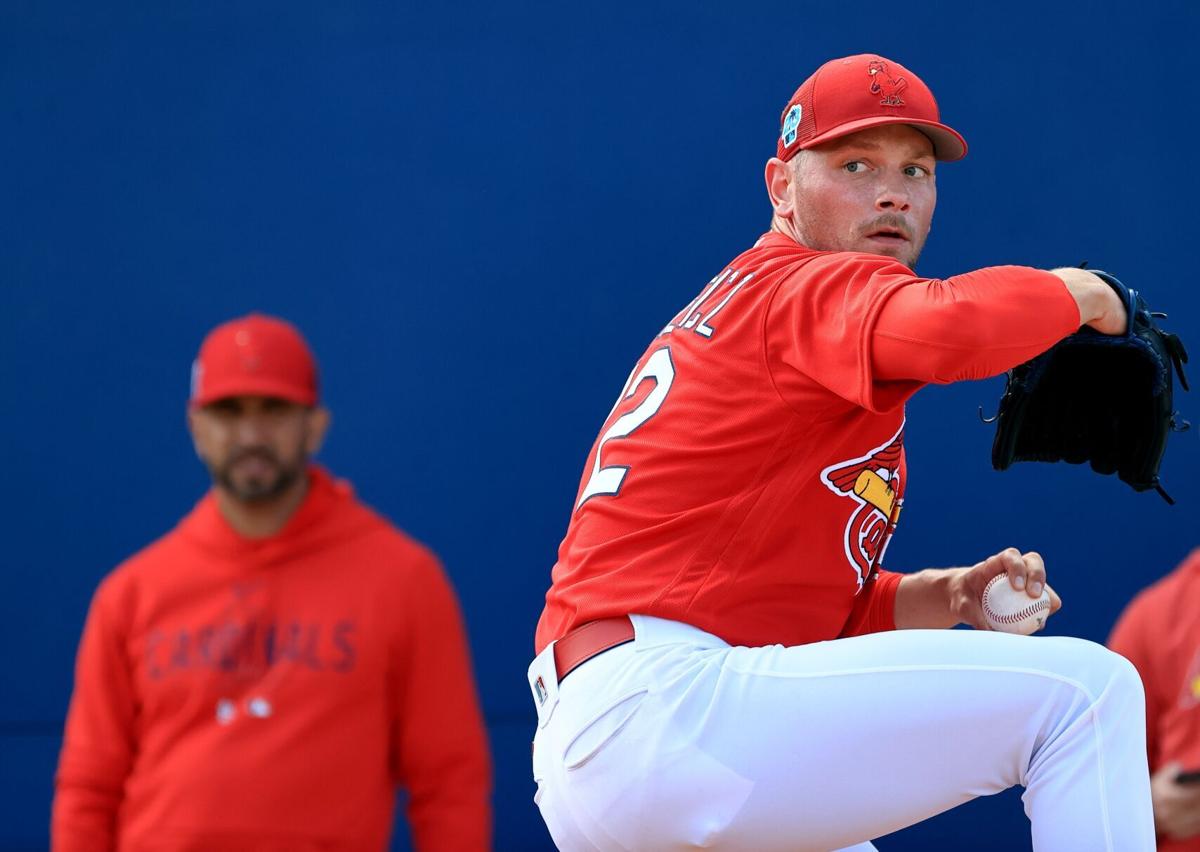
(269, 672)
(1160, 634)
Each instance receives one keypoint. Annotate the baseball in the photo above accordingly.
(1011, 611)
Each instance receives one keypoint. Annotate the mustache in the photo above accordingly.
(888, 222)
(263, 453)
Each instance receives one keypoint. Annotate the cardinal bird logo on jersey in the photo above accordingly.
(883, 83)
(873, 482)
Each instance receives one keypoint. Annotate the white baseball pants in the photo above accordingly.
(678, 741)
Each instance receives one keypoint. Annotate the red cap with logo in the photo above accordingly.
(850, 94)
(254, 355)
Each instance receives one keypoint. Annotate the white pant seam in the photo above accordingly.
(925, 668)
(1106, 820)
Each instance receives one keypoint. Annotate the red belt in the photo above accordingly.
(588, 640)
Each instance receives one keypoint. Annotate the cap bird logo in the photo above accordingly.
(884, 84)
(872, 481)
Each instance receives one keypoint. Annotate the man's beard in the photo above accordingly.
(258, 489)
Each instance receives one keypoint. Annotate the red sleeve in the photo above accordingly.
(98, 745)
(875, 607)
(871, 331)
(1133, 639)
(440, 745)
(970, 326)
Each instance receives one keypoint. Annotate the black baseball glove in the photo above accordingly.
(1098, 398)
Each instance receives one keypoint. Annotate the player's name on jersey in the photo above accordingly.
(700, 313)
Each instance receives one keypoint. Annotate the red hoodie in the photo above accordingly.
(1159, 633)
(271, 694)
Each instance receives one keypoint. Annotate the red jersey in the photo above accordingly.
(272, 694)
(1160, 634)
(752, 471)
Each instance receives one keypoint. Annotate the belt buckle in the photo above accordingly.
(543, 683)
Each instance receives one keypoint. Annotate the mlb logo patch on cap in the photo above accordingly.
(791, 122)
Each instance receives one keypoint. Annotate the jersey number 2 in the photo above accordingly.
(660, 368)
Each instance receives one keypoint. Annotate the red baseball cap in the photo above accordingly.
(254, 355)
(850, 94)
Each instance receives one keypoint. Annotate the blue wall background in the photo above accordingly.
(479, 214)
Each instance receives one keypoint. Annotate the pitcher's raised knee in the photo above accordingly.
(1097, 670)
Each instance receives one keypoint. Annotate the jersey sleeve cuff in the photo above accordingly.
(887, 583)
